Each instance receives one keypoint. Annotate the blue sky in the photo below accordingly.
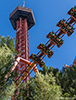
(47, 13)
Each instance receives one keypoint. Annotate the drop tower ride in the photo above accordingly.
(22, 20)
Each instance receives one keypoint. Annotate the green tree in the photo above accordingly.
(42, 87)
(10, 43)
(68, 81)
(44, 70)
(2, 40)
(6, 61)
(66, 78)
(55, 72)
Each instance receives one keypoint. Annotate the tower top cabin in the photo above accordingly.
(23, 12)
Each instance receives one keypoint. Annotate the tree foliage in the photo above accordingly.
(66, 78)
(6, 61)
(68, 81)
(42, 87)
(8, 41)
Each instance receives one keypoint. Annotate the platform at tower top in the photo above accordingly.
(24, 13)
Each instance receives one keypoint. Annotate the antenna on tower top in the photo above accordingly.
(23, 3)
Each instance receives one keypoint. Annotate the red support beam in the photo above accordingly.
(22, 43)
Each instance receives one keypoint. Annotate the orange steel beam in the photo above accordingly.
(66, 66)
(19, 59)
(25, 73)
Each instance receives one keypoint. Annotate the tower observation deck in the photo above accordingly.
(22, 20)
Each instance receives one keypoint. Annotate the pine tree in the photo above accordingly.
(6, 61)
(10, 43)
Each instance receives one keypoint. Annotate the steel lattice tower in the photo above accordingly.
(22, 20)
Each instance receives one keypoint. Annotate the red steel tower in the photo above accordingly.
(22, 20)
